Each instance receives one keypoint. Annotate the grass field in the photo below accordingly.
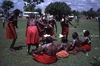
(20, 57)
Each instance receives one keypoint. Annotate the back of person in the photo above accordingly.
(46, 54)
(51, 49)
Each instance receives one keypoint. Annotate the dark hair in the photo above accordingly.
(86, 33)
(49, 40)
(16, 12)
(64, 40)
(32, 15)
(75, 35)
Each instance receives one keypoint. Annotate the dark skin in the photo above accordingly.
(66, 22)
(51, 49)
(40, 22)
(63, 46)
(74, 47)
(53, 23)
(31, 22)
(13, 19)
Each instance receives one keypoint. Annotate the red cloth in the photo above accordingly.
(10, 31)
(62, 54)
(65, 29)
(86, 47)
(32, 36)
(44, 58)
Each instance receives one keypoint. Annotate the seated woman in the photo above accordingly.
(62, 48)
(74, 48)
(86, 42)
(46, 54)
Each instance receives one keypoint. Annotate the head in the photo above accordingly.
(31, 16)
(75, 35)
(16, 12)
(86, 33)
(64, 40)
(49, 39)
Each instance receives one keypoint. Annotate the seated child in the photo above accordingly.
(74, 48)
(62, 48)
(86, 42)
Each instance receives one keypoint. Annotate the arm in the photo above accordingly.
(85, 41)
(40, 30)
(9, 19)
(72, 45)
(72, 24)
(59, 47)
(40, 49)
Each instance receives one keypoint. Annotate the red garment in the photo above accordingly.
(32, 36)
(10, 31)
(86, 47)
(45, 59)
(65, 29)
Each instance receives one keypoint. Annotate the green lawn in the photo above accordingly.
(20, 57)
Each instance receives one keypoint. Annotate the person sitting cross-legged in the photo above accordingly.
(86, 42)
(74, 48)
(46, 53)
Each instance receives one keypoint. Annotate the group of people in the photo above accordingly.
(48, 52)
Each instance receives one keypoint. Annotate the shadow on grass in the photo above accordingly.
(19, 47)
(96, 63)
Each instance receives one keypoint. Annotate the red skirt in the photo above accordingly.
(65, 30)
(10, 31)
(86, 47)
(45, 59)
(32, 36)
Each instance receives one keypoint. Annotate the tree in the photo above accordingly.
(30, 8)
(7, 5)
(91, 13)
(32, 3)
(39, 10)
(74, 12)
(58, 9)
(98, 12)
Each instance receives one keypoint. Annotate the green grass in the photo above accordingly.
(20, 57)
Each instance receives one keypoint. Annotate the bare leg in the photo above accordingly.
(67, 38)
(29, 46)
(12, 45)
(37, 46)
(3, 25)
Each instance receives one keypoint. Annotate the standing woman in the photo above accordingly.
(65, 26)
(32, 36)
(10, 28)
